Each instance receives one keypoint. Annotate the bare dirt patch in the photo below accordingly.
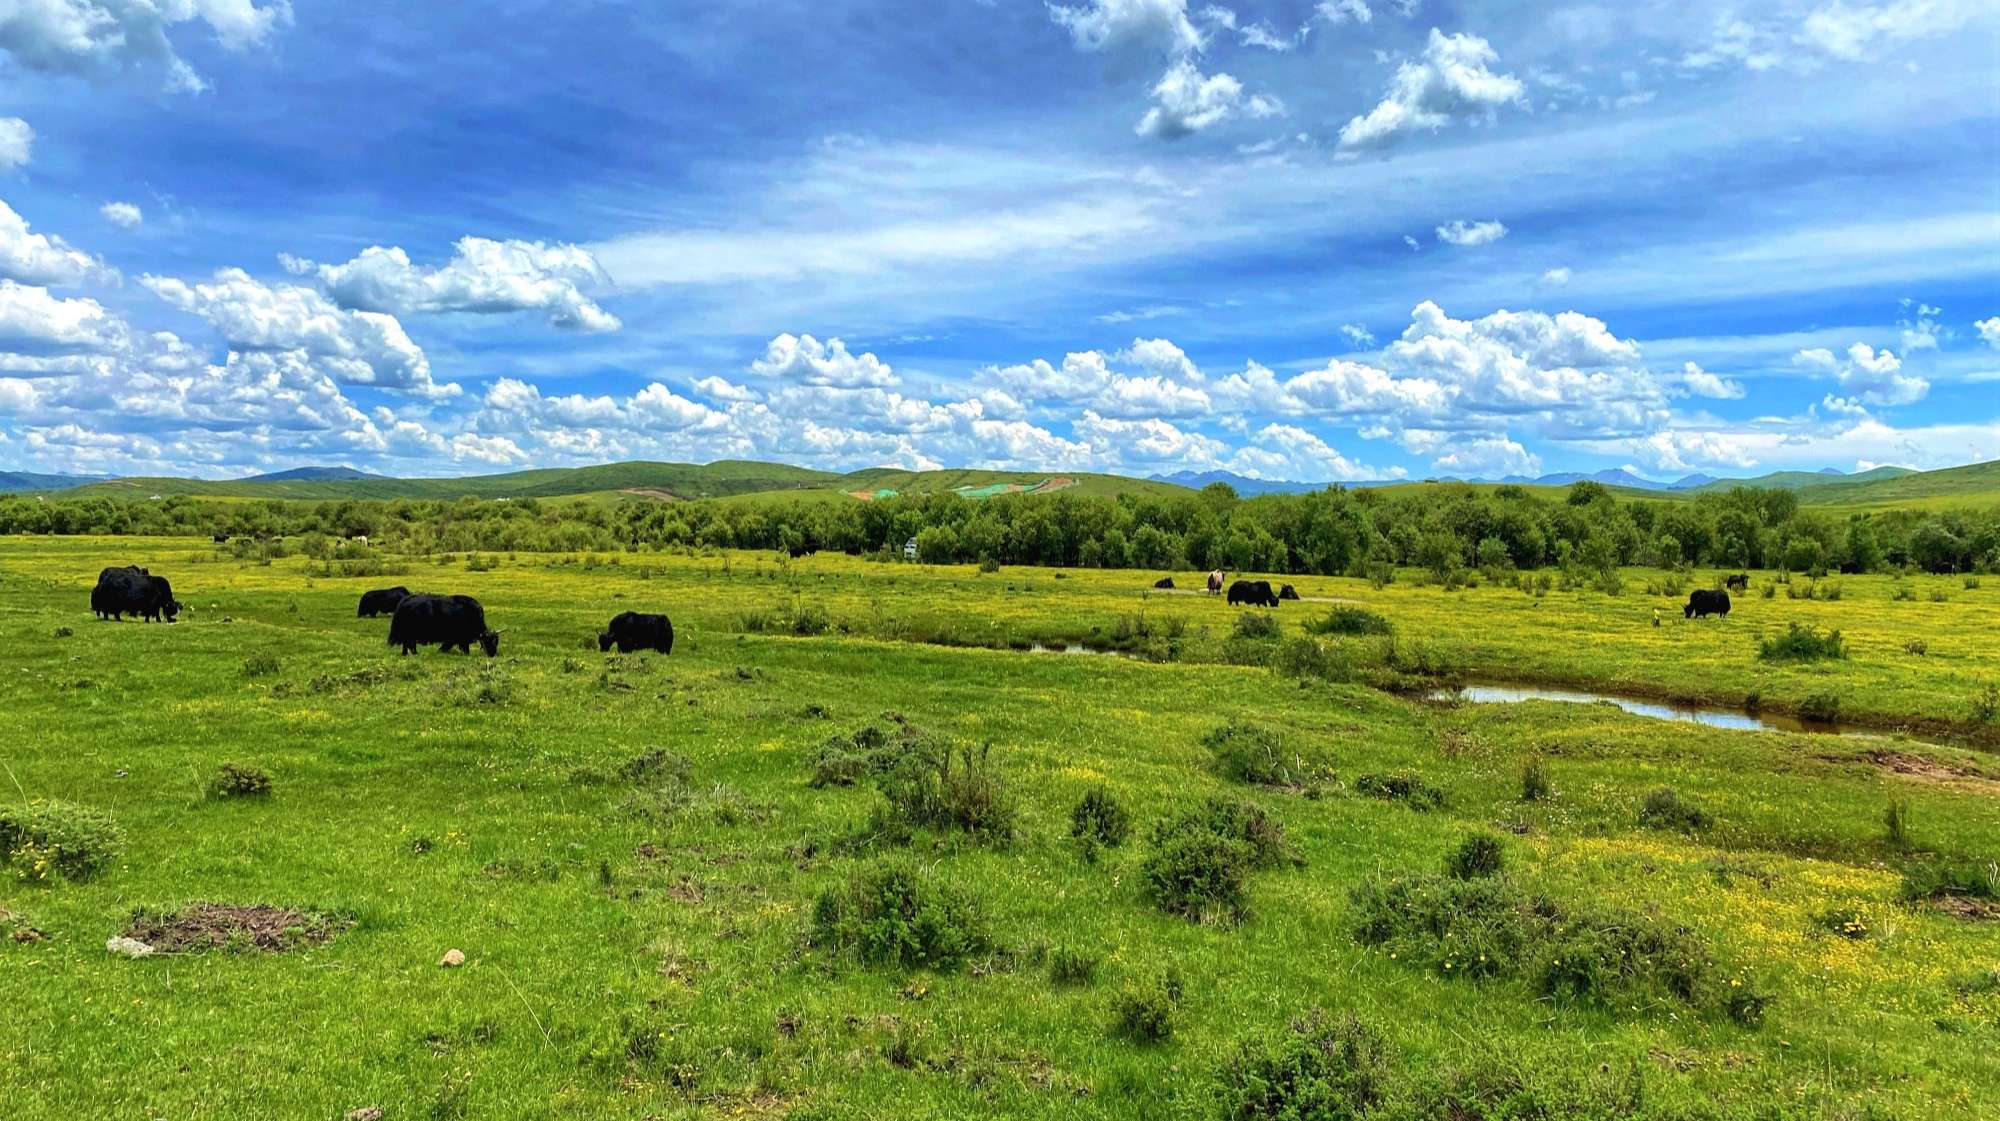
(1966, 907)
(653, 492)
(1919, 767)
(199, 927)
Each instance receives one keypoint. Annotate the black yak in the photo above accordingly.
(1705, 602)
(633, 630)
(444, 622)
(1256, 593)
(1739, 582)
(132, 590)
(1286, 591)
(1165, 582)
(381, 601)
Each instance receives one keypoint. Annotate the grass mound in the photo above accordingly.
(1099, 821)
(1666, 809)
(1322, 1067)
(1202, 857)
(44, 840)
(1256, 754)
(239, 780)
(1410, 790)
(1348, 620)
(1802, 643)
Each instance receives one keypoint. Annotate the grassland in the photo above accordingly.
(634, 951)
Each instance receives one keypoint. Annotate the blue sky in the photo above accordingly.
(1294, 239)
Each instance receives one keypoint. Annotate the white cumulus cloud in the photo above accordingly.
(17, 143)
(483, 277)
(1190, 101)
(97, 38)
(40, 259)
(124, 215)
(805, 359)
(1115, 25)
(1468, 234)
(1453, 81)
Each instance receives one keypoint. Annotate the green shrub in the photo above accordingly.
(1146, 1010)
(1410, 790)
(1535, 785)
(1201, 859)
(1322, 1069)
(239, 780)
(898, 913)
(1801, 643)
(1348, 620)
(1949, 879)
(1986, 704)
(1304, 656)
(1843, 922)
(1664, 808)
(1896, 823)
(869, 750)
(1822, 706)
(43, 840)
(1256, 625)
(1069, 965)
(260, 665)
(1478, 856)
(959, 790)
(809, 620)
(1903, 594)
(1916, 646)
(1254, 753)
(1099, 821)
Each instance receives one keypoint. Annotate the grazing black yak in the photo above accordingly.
(1739, 582)
(1286, 591)
(381, 601)
(1705, 602)
(1165, 582)
(1256, 593)
(633, 630)
(133, 591)
(444, 622)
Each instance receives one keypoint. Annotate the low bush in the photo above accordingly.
(1146, 1010)
(1535, 784)
(1256, 754)
(1951, 879)
(1307, 657)
(1896, 823)
(1348, 620)
(1664, 808)
(1256, 625)
(1822, 706)
(260, 665)
(1201, 858)
(1843, 922)
(1478, 856)
(1410, 790)
(43, 840)
(959, 790)
(1098, 821)
(1321, 1069)
(869, 751)
(1986, 705)
(239, 780)
(1801, 643)
(897, 913)
(1069, 965)
(1916, 646)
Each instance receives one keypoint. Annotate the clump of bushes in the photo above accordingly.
(869, 751)
(1253, 753)
(1664, 808)
(1479, 856)
(1896, 823)
(1099, 822)
(1348, 620)
(1256, 625)
(897, 913)
(1488, 927)
(1986, 704)
(1410, 790)
(1802, 643)
(1201, 859)
(1323, 1068)
(1843, 922)
(239, 780)
(46, 840)
(955, 789)
(1145, 1010)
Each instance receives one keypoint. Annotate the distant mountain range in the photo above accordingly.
(749, 480)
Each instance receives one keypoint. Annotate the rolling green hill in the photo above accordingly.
(1806, 480)
(657, 480)
(1973, 483)
(979, 484)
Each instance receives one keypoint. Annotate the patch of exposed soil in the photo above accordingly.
(1966, 907)
(1919, 767)
(652, 492)
(213, 926)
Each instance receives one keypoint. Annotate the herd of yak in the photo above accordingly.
(449, 622)
(446, 622)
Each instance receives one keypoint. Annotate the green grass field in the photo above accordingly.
(640, 944)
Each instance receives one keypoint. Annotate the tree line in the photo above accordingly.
(1442, 529)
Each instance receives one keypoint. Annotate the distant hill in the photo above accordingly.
(1808, 480)
(15, 481)
(1611, 477)
(882, 481)
(652, 480)
(1242, 484)
(310, 475)
(1898, 486)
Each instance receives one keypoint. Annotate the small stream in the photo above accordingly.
(1733, 718)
